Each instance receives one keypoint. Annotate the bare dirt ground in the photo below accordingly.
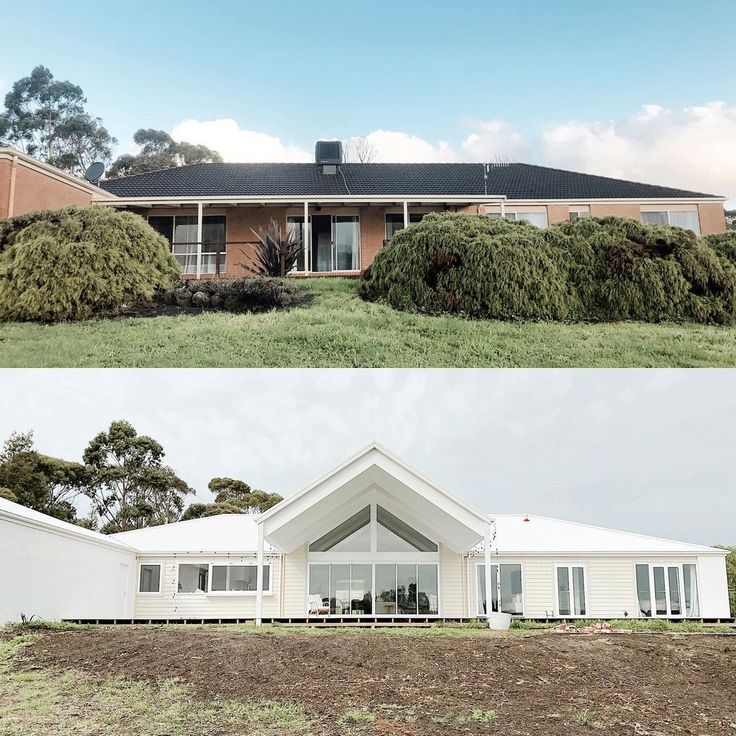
(625, 683)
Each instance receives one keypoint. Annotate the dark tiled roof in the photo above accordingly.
(516, 181)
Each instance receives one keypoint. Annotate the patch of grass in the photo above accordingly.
(55, 703)
(477, 715)
(586, 717)
(360, 716)
(341, 330)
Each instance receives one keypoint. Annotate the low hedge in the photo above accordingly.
(257, 294)
(72, 263)
(591, 269)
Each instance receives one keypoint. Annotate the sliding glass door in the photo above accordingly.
(334, 242)
(400, 589)
(667, 590)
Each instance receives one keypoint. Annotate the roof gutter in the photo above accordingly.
(314, 199)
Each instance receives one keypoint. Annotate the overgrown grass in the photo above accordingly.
(341, 330)
(56, 703)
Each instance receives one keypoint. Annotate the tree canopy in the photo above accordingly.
(232, 497)
(40, 482)
(160, 151)
(129, 486)
(46, 118)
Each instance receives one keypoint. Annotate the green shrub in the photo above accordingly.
(622, 269)
(256, 294)
(590, 269)
(72, 263)
(471, 265)
(724, 244)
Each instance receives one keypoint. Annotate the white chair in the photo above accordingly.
(317, 606)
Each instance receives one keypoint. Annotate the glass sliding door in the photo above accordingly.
(386, 589)
(346, 238)
(427, 591)
(340, 589)
(690, 583)
(406, 589)
(361, 590)
(319, 582)
(185, 243)
(512, 600)
(675, 590)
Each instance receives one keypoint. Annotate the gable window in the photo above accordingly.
(571, 592)
(181, 232)
(149, 579)
(667, 590)
(687, 219)
(239, 578)
(352, 535)
(539, 219)
(511, 591)
(395, 535)
(395, 222)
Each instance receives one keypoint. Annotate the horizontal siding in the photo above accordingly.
(295, 583)
(452, 590)
(170, 604)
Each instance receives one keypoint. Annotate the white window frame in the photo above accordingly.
(480, 566)
(681, 581)
(240, 593)
(514, 217)
(569, 566)
(308, 255)
(151, 563)
(223, 262)
(669, 217)
(580, 214)
(386, 215)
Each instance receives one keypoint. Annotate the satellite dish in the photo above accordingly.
(94, 172)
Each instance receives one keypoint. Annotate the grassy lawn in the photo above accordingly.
(340, 330)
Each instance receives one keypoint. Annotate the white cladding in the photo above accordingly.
(53, 570)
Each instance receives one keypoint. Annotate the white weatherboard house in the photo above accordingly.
(371, 540)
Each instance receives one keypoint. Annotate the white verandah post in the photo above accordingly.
(487, 565)
(406, 214)
(259, 577)
(306, 244)
(200, 208)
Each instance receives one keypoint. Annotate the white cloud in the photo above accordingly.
(235, 144)
(690, 148)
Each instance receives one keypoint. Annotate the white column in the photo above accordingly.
(306, 236)
(259, 577)
(487, 547)
(406, 214)
(200, 209)
(503, 208)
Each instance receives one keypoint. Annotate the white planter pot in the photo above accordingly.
(499, 621)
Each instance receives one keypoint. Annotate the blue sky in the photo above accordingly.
(433, 72)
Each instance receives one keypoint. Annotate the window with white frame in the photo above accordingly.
(222, 578)
(578, 214)
(687, 219)
(506, 586)
(395, 222)
(667, 590)
(539, 219)
(149, 578)
(181, 232)
(571, 590)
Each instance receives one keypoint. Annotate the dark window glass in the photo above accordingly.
(163, 225)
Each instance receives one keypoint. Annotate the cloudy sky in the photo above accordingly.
(642, 450)
(627, 89)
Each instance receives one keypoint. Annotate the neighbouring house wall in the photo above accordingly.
(611, 584)
(712, 218)
(52, 575)
(37, 190)
(169, 604)
(5, 176)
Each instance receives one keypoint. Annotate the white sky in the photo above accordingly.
(641, 450)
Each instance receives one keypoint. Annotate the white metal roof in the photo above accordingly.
(21, 514)
(520, 533)
(232, 533)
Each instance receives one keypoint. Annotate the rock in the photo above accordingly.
(183, 297)
(200, 299)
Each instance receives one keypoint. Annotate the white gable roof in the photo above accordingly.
(514, 534)
(22, 515)
(232, 533)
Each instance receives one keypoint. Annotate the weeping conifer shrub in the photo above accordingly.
(724, 244)
(622, 269)
(474, 266)
(72, 263)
